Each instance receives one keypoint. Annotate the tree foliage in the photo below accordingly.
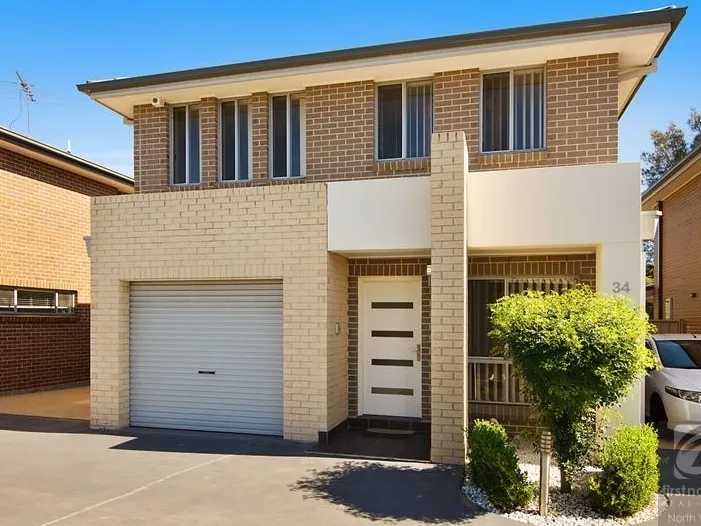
(578, 351)
(669, 147)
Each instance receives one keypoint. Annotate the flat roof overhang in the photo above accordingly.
(638, 38)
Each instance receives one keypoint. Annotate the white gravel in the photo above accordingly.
(570, 509)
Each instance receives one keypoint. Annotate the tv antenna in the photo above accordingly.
(27, 90)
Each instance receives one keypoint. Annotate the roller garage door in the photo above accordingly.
(207, 356)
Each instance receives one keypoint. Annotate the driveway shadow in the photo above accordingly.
(390, 492)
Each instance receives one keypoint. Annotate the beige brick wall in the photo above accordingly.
(581, 127)
(42, 228)
(448, 297)
(269, 232)
(337, 364)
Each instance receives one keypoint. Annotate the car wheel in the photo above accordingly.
(658, 415)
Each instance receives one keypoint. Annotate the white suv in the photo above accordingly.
(673, 392)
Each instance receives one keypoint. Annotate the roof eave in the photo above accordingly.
(672, 15)
(107, 176)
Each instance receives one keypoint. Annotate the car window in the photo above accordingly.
(680, 354)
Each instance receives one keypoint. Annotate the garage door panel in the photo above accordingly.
(235, 330)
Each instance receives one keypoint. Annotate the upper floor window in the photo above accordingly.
(186, 144)
(404, 120)
(235, 137)
(287, 136)
(34, 301)
(513, 110)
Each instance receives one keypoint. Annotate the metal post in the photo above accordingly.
(545, 448)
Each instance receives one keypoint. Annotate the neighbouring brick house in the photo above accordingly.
(44, 266)
(314, 240)
(677, 290)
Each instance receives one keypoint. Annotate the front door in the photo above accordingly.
(390, 345)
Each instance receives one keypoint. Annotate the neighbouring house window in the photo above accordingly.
(235, 135)
(33, 301)
(287, 136)
(186, 144)
(483, 292)
(404, 120)
(513, 110)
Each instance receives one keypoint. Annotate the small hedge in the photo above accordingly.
(494, 467)
(630, 475)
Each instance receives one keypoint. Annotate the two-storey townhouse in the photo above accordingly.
(314, 240)
(44, 265)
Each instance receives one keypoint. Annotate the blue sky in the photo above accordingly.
(56, 45)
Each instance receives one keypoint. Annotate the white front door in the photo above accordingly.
(390, 345)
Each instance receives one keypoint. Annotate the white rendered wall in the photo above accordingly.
(541, 207)
(380, 215)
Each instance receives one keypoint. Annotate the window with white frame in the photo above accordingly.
(36, 301)
(185, 129)
(404, 120)
(235, 136)
(287, 143)
(513, 110)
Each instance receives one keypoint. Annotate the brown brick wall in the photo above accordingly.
(151, 149)
(581, 127)
(681, 252)
(16, 163)
(581, 114)
(209, 139)
(340, 130)
(44, 351)
(389, 267)
(581, 267)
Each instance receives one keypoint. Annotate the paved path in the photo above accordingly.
(74, 477)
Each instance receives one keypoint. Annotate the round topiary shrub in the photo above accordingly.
(493, 466)
(630, 475)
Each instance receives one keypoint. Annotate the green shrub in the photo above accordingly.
(494, 467)
(578, 351)
(630, 475)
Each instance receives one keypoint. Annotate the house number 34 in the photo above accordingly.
(621, 287)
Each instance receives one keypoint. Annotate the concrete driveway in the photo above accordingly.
(59, 473)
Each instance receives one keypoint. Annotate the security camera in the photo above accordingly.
(157, 102)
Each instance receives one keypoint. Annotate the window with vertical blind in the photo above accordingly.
(483, 292)
(404, 120)
(513, 110)
(185, 147)
(287, 144)
(235, 136)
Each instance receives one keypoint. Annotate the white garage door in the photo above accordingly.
(207, 356)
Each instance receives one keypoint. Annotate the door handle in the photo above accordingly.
(206, 372)
(418, 352)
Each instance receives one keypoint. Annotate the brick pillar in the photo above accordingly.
(151, 149)
(259, 135)
(209, 133)
(448, 298)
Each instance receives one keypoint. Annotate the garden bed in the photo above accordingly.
(571, 509)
